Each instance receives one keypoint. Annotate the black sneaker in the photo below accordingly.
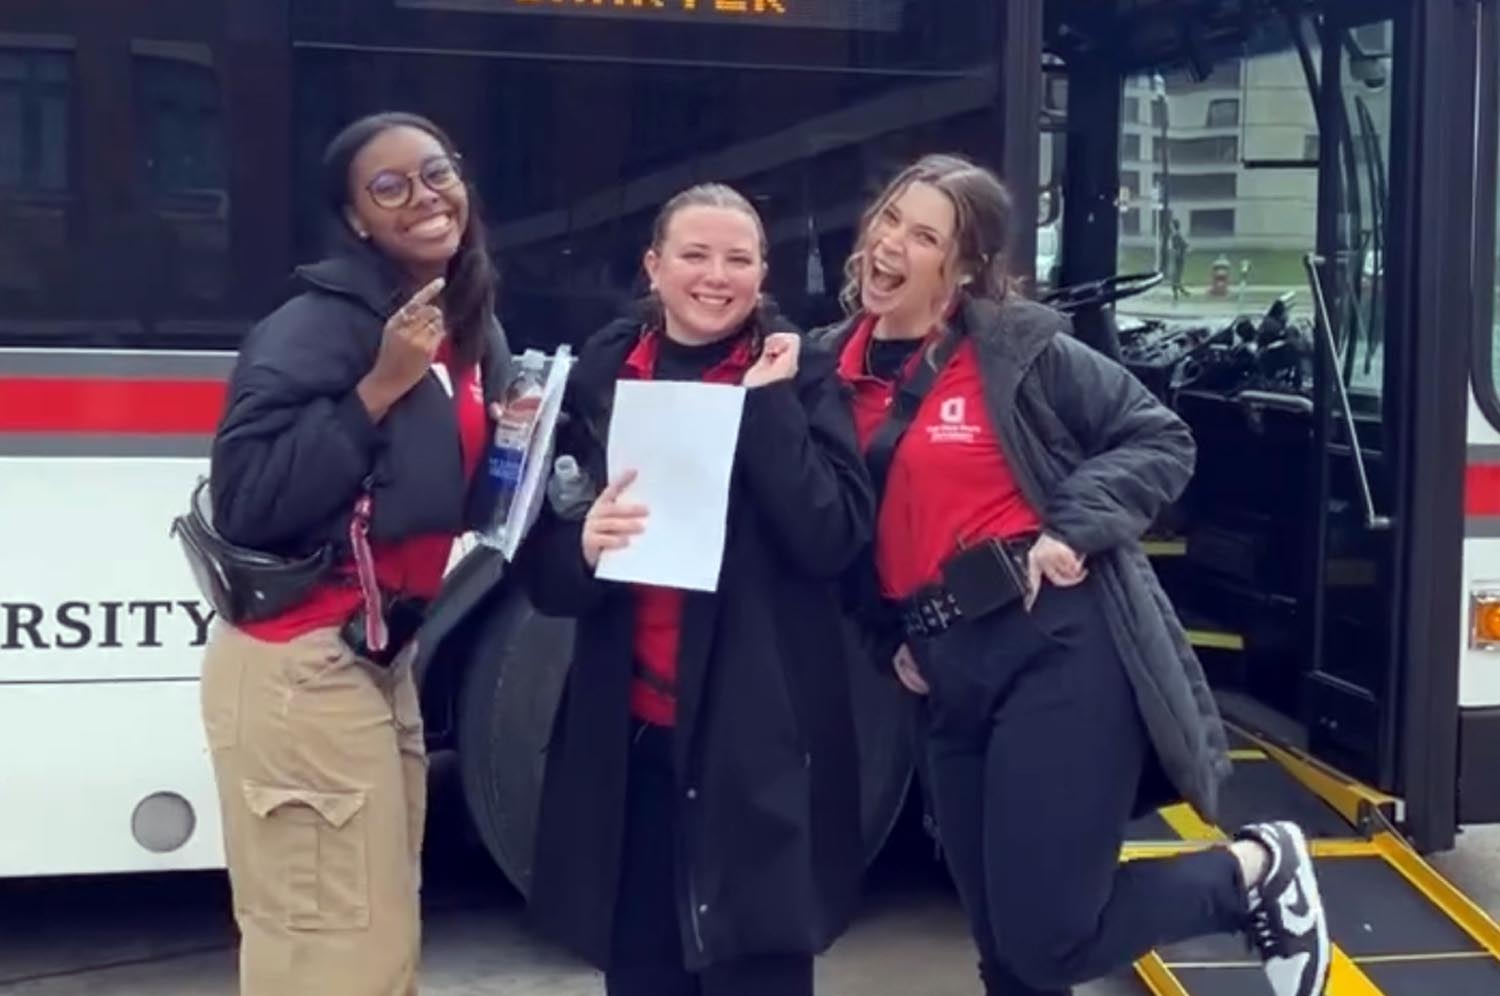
(1287, 925)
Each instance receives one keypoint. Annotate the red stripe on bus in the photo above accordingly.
(1482, 489)
(54, 404)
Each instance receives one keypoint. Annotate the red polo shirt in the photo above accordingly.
(414, 565)
(658, 613)
(949, 482)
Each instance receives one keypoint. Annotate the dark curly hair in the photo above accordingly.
(469, 298)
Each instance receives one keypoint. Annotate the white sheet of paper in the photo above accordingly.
(680, 439)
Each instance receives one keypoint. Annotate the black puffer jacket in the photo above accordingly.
(296, 445)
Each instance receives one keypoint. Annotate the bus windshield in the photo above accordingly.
(180, 226)
(1219, 186)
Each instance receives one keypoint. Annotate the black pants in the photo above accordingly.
(647, 946)
(1035, 754)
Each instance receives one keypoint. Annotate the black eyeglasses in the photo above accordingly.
(390, 189)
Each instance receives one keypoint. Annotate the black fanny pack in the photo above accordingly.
(242, 585)
(977, 581)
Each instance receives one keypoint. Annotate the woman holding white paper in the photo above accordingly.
(699, 830)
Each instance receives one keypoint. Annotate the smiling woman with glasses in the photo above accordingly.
(393, 189)
(357, 417)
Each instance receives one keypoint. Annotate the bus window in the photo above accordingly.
(575, 141)
(114, 195)
(182, 170)
(1217, 189)
(1051, 170)
(36, 175)
(1486, 348)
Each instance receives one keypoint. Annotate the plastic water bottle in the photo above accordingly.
(507, 460)
(569, 488)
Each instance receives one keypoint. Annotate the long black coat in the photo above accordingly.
(765, 750)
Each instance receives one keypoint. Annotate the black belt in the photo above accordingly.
(934, 609)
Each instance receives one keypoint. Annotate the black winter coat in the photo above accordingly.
(296, 444)
(766, 757)
(1099, 457)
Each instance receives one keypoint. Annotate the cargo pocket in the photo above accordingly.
(307, 858)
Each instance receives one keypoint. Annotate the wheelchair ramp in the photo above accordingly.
(1399, 928)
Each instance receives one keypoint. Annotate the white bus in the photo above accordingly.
(1330, 166)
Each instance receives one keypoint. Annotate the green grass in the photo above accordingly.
(1268, 267)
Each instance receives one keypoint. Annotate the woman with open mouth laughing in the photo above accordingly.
(699, 830)
(1017, 469)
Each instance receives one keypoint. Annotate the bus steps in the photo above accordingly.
(1398, 926)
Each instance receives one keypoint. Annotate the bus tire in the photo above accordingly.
(509, 696)
(506, 715)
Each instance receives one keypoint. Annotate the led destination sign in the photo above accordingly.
(841, 15)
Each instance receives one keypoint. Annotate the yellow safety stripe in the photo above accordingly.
(1343, 848)
(1187, 824)
(1345, 978)
(1158, 977)
(1214, 640)
(1440, 892)
(1350, 798)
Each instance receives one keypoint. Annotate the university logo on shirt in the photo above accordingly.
(953, 425)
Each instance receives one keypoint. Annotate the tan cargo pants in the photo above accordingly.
(322, 779)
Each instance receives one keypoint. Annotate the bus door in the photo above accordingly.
(1389, 287)
(1358, 349)
(1285, 175)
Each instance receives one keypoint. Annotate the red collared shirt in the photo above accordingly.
(658, 612)
(949, 481)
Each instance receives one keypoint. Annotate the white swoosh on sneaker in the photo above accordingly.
(1285, 974)
(1299, 921)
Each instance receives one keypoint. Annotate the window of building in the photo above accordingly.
(1210, 149)
(1211, 222)
(1224, 113)
(1203, 186)
(1224, 75)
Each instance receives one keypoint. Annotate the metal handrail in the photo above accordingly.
(1324, 322)
(1294, 403)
